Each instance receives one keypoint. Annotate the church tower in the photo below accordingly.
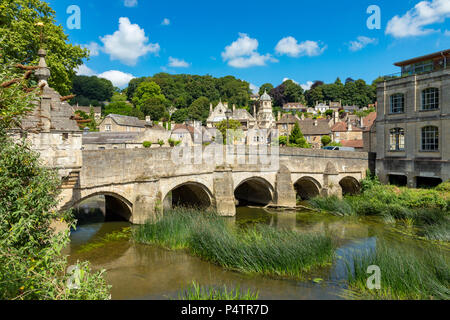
(265, 116)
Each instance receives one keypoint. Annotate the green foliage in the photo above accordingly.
(326, 140)
(150, 101)
(296, 138)
(198, 292)
(160, 142)
(426, 209)
(352, 93)
(258, 249)
(20, 40)
(173, 143)
(31, 262)
(91, 90)
(286, 92)
(405, 275)
(283, 140)
(232, 124)
(147, 144)
(266, 87)
(199, 109)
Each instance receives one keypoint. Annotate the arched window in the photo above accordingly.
(430, 138)
(398, 103)
(397, 139)
(430, 99)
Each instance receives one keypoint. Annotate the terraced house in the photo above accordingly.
(413, 122)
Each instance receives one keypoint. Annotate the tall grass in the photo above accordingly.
(427, 209)
(198, 292)
(257, 249)
(404, 274)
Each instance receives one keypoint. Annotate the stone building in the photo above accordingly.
(313, 130)
(52, 130)
(346, 130)
(413, 122)
(120, 123)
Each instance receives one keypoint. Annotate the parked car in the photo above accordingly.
(339, 148)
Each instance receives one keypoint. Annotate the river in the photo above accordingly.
(138, 271)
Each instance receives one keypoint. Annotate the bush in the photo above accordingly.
(147, 144)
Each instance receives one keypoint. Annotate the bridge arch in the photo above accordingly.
(254, 190)
(116, 206)
(349, 185)
(188, 194)
(307, 187)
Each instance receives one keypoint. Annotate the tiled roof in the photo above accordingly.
(288, 118)
(343, 127)
(369, 121)
(308, 128)
(352, 143)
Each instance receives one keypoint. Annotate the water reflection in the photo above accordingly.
(138, 271)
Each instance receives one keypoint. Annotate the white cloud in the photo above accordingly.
(255, 89)
(94, 48)
(286, 79)
(307, 86)
(361, 42)
(177, 63)
(242, 53)
(130, 3)
(415, 21)
(84, 70)
(290, 46)
(165, 22)
(128, 44)
(118, 78)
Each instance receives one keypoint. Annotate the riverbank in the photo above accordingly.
(255, 249)
(423, 212)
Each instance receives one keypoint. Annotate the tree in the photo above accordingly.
(91, 89)
(293, 92)
(180, 116)
(296, 138)
(20, 40)
(199, 109)
(326, 140)
(265, 87)
(32, 265)
(223, 126)
(149, 100)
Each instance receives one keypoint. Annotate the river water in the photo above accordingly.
(138, 271)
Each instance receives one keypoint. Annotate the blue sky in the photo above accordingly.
(257, 41)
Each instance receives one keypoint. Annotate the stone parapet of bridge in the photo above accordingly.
(140, 183)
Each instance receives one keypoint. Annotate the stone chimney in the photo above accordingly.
(349, 124)
(254, 110)
(225, 105)
(315, 122)
(336, 117)
(148, 120)
(362, 122)
(279, 116)
(234, 107)
(303, 116)
(210, 108)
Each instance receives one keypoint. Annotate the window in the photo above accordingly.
(65, 136)
(398, 103)
(108, 127)
(397, 139)
(430, 138)
(430, 99)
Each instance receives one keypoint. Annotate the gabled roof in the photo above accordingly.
(126, 120)
(242, 114)
(369, 121)
(308, 128)
(343, 127)
(288, 119)
(352, 143)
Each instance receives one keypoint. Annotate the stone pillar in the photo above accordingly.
(224, 191)
(147, 204)
(284, 190)
(331, 186)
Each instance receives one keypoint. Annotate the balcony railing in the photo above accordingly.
(404, 74)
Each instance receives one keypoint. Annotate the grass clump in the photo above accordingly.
(426, 209)
(404, 274)
(257, 249)
(198, 292)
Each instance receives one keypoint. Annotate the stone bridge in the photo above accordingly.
(139, 183)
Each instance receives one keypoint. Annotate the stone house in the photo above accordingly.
(313, 130)
(348, 130)
(120, 123)
(413, 123)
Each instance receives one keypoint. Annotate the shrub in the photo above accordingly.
(147, 144)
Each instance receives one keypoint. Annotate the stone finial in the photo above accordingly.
(43, 73)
